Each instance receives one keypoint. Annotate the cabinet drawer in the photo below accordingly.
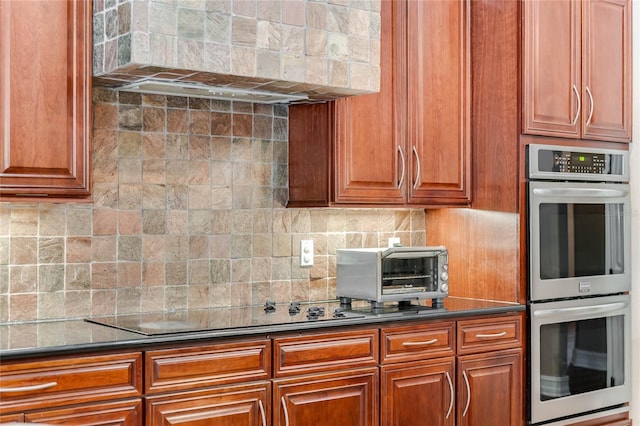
(224, 405)
(198, 366)
(417, 342)
(69, 380)
(486, 334)
(122, 413)
(325, 352)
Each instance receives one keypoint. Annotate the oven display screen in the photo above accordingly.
(581, 356)
(580, 240)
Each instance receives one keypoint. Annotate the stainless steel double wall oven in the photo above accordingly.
(579, 281)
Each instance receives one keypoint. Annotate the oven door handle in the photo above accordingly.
(580, 192)
(578, 311)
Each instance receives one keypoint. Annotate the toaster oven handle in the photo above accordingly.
(423, 343)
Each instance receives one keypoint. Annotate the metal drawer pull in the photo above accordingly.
(415, 184)
(488, 336)
(575, 119)
(466, 382)
(286, 413)
(591, 107)
(29, 388)
(402, 174)
(425, 343)
(451, 393)
(261, 407)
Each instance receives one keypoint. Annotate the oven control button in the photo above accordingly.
(584, 287)
(444, 276)
(445, 267)
(444, 287)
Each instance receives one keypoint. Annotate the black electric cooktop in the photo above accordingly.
(189, 321)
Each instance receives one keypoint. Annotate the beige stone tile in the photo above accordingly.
(104, 275)
(103, 302)
(77, 304)
(198, 272)
(50, 278)
(152, 299)
(175, 273)
(152, 248)
(129, 222)
(417, 220)
(78, 250)
(105, 222)
(220, 294)
(23, 250)
(318, 291)
(153, 273)
(280, 268)
(300, 290)
(103, 249)
(282, 245)
(51, 250)
(129, 274)
(105, 143)
(153, 196)
(292, 40)
(129, 196)
(260, 269)
(316, 15)
(51, 305)
(199, 247)
(268, 64)
(240, 270)
(23, 307)
(22, 279)
(24, 221)
(260, 292)
(198, 296)
(128, 300)
(262, 246)
(78, 277)
(317, 70)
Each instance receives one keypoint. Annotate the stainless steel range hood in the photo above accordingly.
(196, 90)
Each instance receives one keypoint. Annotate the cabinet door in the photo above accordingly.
(490, 389)
(418, 393)
(121, 413)
(347, 398)
(606, 70)
(245, 405)
(551, 68)
(371, 162)
(437, 58)
(45, 98)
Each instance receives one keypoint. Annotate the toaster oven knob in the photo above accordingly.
(444, 276)
(444, 287)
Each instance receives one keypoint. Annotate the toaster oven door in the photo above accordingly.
(409, 274)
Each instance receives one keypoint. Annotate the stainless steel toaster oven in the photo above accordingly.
(395, 274)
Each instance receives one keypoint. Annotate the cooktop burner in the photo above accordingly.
(188, 321)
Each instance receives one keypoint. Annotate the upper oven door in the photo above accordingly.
(579, 239)
(580, 356)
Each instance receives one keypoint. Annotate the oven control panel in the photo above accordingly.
(577, 163)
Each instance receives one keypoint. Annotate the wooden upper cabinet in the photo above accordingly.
(438, 144)
(577, 69)
(45, 99)
(409, 144)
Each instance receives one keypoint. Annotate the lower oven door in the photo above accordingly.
(580, 356)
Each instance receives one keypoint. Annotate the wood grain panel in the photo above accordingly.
(191, 367)
(55, 382)
(417, 342)
(481, 335)
(325, 352)
(45, 98)
(120, 413)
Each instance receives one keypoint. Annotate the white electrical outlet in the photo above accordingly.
(393, 241)
(306, 252)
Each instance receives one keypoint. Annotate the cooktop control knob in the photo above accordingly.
(444, 287)
(294, 308)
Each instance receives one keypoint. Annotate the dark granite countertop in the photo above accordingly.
(32, 339)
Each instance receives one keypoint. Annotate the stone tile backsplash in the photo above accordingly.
(188, 212)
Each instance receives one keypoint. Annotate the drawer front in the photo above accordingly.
(325, 352)
(199, 366)
(121, 413)
(69, 380)
(489, 334)
(417, 342)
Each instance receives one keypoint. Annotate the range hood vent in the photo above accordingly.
(196, 90)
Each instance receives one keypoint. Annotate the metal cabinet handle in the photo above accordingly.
(264, 418)
(286, 413)
(591, 105)
(401, 174)
(425, 343)
(466, 382)
(488, 336)
(29, 388)
(415, 184)
(575, 119)
(451, 393)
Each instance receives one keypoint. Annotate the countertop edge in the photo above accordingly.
(142, 342)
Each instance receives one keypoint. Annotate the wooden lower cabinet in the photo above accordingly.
(490, 388)
(246, 405)
(345, 398)
(418, 393)
(121, 413)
